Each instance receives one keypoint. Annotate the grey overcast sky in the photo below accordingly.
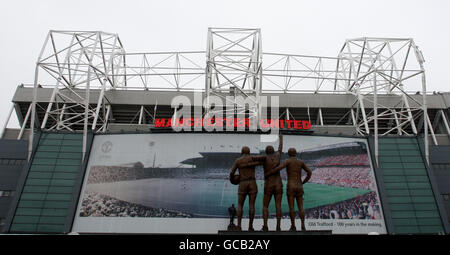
(299, 27)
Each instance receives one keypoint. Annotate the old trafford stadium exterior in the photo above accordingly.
(117, 142)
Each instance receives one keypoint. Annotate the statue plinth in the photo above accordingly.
(233, 228)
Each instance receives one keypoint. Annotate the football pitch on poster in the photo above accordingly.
(212, 197)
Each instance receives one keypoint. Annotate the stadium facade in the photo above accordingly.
(91, 154)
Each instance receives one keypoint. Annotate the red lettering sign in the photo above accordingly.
(232, 122)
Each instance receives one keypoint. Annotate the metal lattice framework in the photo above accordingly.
(298, 73)
(78, 61)
(371, 69)
(234, 65)
(162, 70)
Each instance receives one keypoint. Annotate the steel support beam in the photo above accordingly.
(8, 117)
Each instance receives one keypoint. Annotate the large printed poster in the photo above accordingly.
(178, 183)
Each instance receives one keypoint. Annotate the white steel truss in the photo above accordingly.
(377, 68)
(373, 70)
(78, 61)
(234, 66)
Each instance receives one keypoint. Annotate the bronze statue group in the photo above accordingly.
(273, 185)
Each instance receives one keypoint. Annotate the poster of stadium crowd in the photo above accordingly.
(178, 183)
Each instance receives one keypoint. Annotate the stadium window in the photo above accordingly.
(19, 162)
(12, 162)
(446, 197)
(6, 193)
(439, 166)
